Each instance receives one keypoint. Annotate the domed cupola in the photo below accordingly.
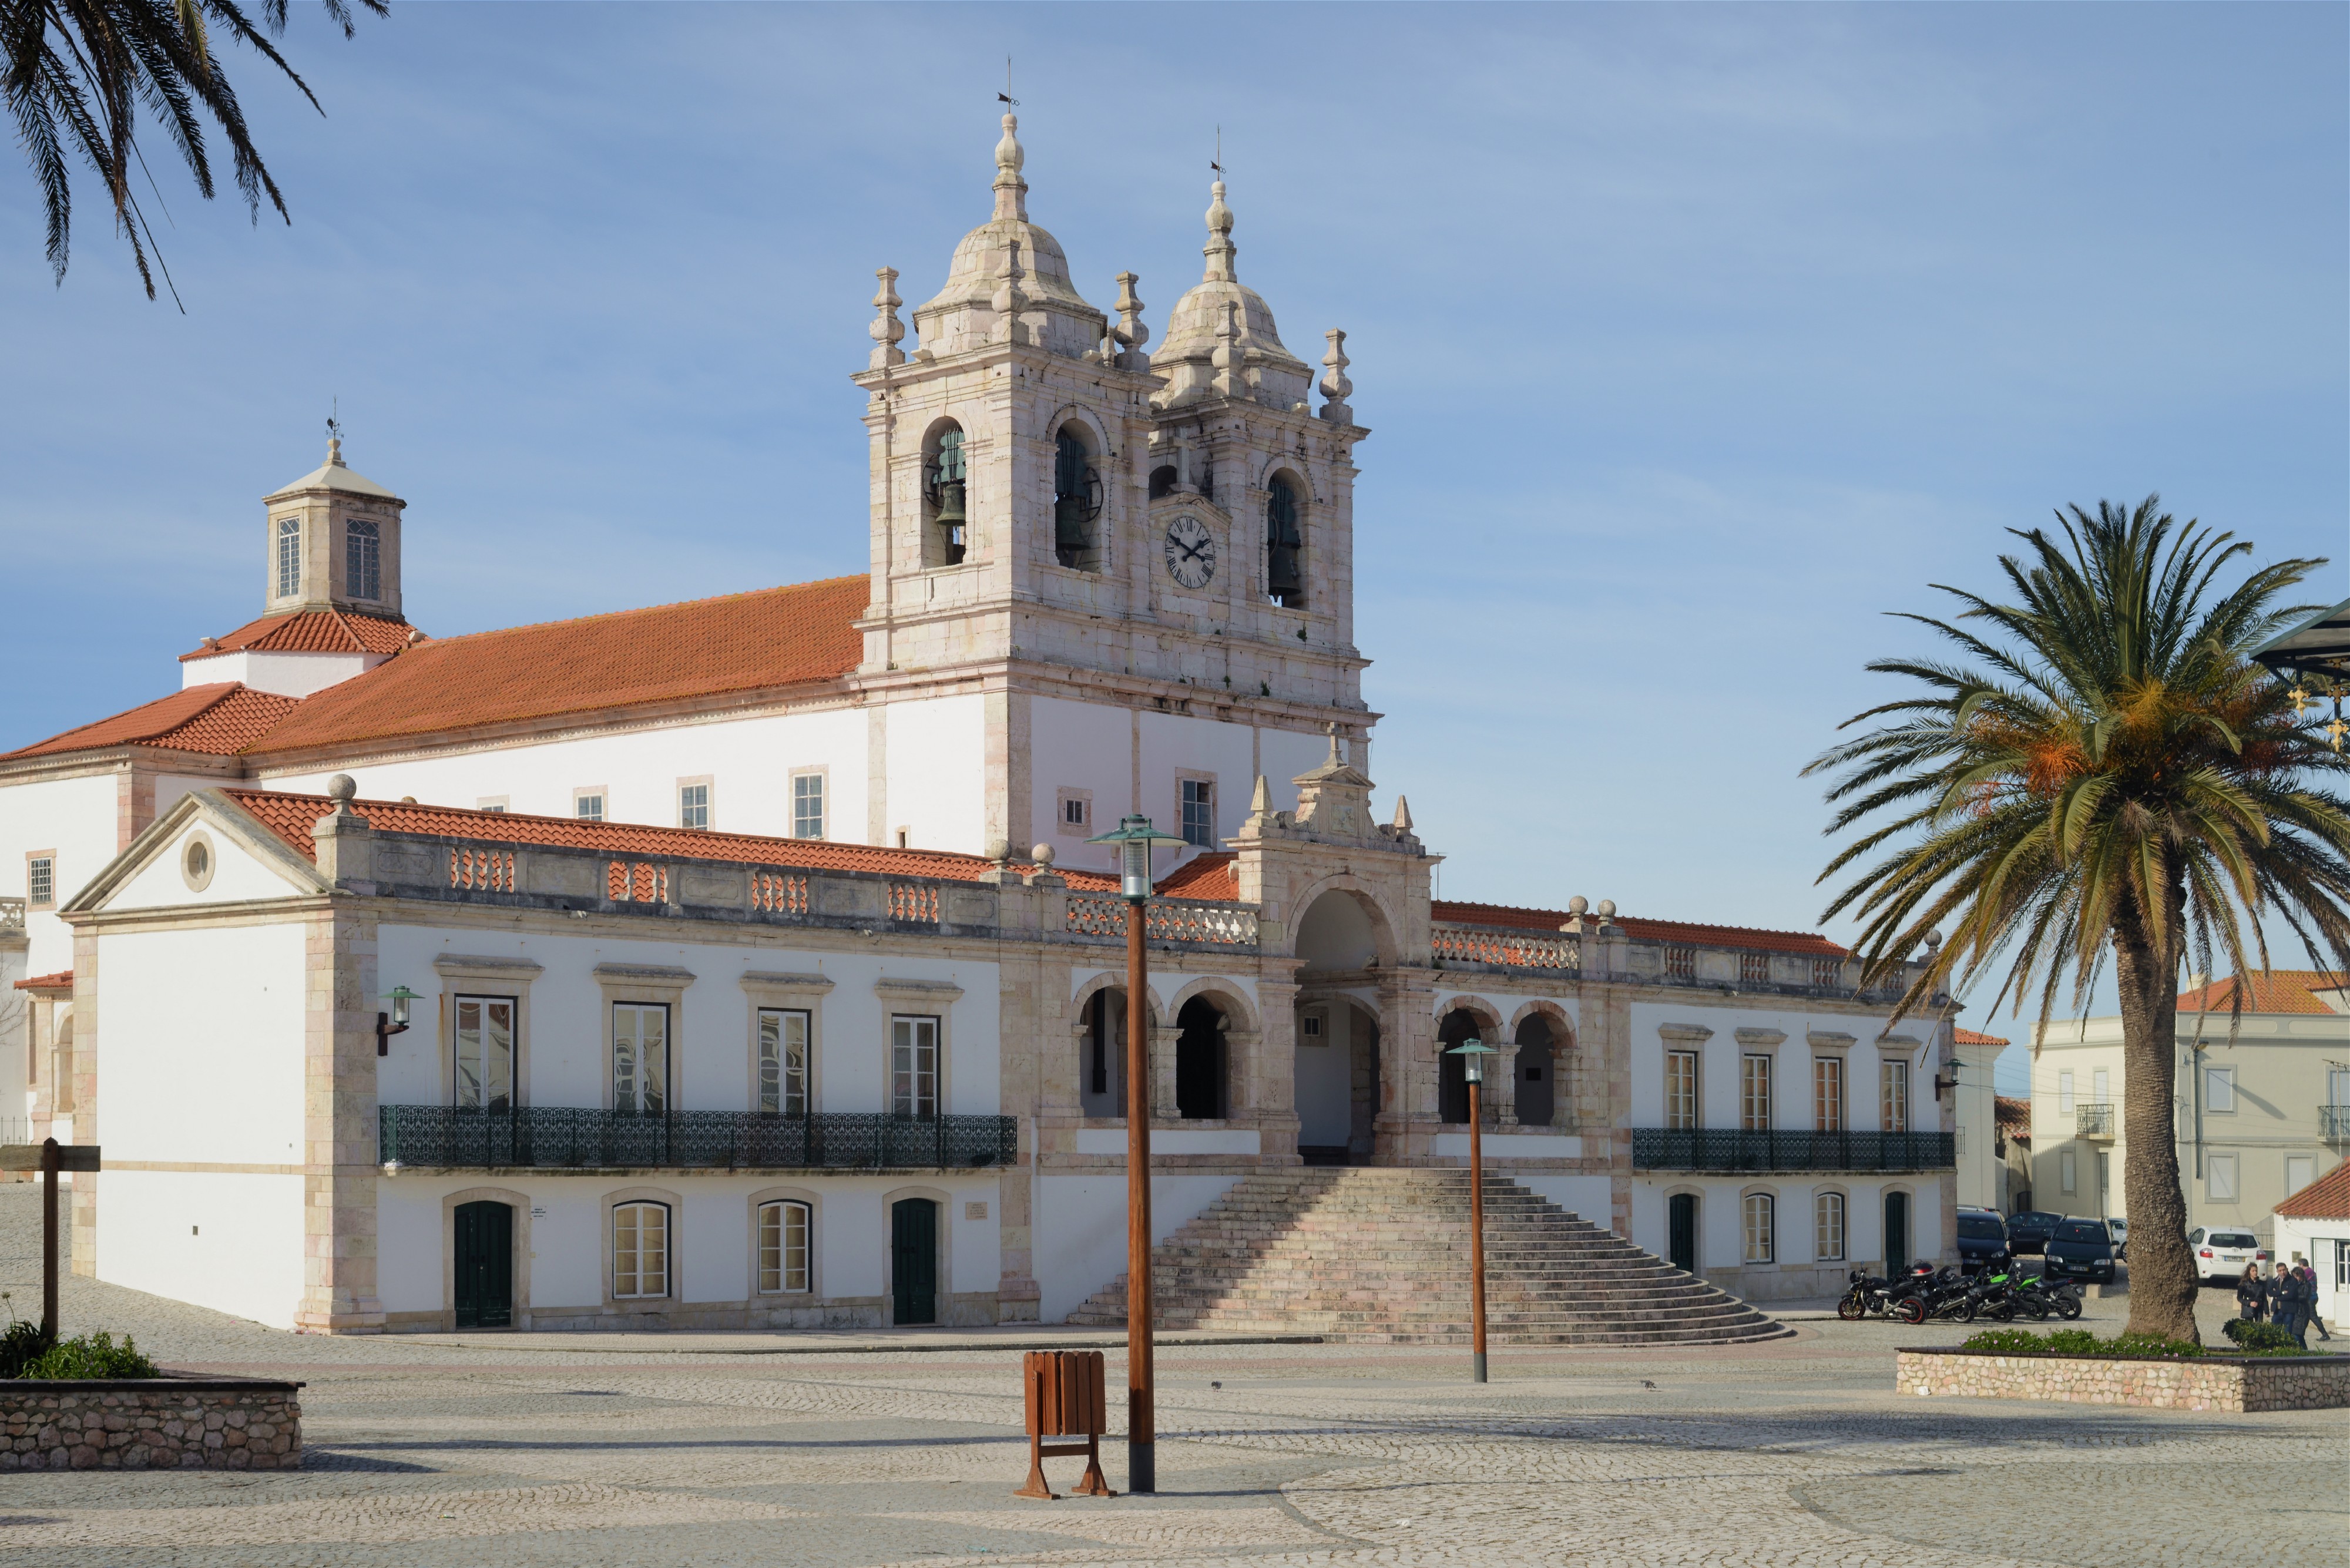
(1221, 340)
(1009, 268)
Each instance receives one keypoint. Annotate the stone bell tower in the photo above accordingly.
(333, 542)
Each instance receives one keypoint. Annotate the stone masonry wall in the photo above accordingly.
(2282, 1383)
(164, 1424)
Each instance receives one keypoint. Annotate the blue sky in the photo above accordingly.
(1693, 339)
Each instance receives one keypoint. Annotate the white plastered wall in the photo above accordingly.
(1079, 1226)
(78, 818)
(937, 751)
(287, 674)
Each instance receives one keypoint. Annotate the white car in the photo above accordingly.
(2221, 1256)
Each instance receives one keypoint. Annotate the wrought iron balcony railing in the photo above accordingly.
(1731, 1148)
(2092, 1121)
(562, 1138)
(2334, 1123)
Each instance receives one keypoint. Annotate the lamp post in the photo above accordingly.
(1136, 838)
(1473, 1054)
(395, 1021)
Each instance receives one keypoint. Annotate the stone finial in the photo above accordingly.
(342, 789)
(1010, 296)
(1219, 249)
(999, 850)
(1011, 190)
(1607, 911)
(1336, 387)
(1402, 817)
(340, 841)
(334, 451)
(1226, 358)
(1042, 854)
(887, 330)
(1261, 801)
(1577, 908)
(1336, 757)
(1129, 332)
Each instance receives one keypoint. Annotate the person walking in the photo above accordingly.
(2251, 1296)
(2284, 1302)
(2310, 1317)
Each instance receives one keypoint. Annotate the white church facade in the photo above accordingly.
(762, 973)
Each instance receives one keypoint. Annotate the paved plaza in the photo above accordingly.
(595, 1450)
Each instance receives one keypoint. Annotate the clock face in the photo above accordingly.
(1190, 552)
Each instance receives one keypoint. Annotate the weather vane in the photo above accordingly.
(1006, 96)
(334, 420)
(1217, 162)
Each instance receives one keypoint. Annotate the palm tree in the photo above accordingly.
(2113, 780)
(76, 71)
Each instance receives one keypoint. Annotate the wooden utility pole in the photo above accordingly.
(1141, 1436)
(49, 1157)
(1476, 1232)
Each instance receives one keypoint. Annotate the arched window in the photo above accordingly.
(639, 1251)
(362, 559)
(1285, 546)
(1452, 1080)
(1761, 1227)
(1077, 501)
(945, 478)
(1200, 1060)
(1101, 1055)
(1828, 1222)
(782, 1247)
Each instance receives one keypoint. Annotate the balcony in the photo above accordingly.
(561, 1137)
(2092, 1121)
(2334, 1123)
(1730, 1149)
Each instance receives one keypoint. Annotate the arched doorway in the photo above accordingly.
(1199, 1067)
(1337, 1080)
(1681, 1231)
(1897, 1233)
(484, 1265)
(913, 1260)
(1451, 1079)
(1101, 1055)
(1535, 1070)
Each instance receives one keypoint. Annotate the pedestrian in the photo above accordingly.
(2251, 1296)
(2284, 1302)
(2311, 1316)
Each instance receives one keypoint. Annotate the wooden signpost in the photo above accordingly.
(48, 1157)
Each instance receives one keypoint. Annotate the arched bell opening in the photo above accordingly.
(1076, 500)
(946, 475)
(1201, 1062)
(1284, 543)
(1163, 480)
(1101, 1054)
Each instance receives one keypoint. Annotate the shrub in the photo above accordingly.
(2260, 1338)
(2080, 1342)
(91, 1355)
(21, 1345)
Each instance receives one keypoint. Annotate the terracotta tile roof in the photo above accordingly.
(2327, 1197)
(2014, 1116)
(310, 631)
(220, 720)
(704, 648)
(2275, 990)
(61, 981)
(291, 817)
(1209, 877)
(1969, 1037)
(1642, 930)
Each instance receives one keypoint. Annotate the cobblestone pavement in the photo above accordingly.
(424, 1453)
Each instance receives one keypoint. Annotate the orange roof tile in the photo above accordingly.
(311, 631)
(1640, 930)
(703, 648)
(2013, 1116)
(1209, 877)
(2327, 1197)
(218, 720)
(61, 981)
(2273, 991)
(291, 817)
(1969, 1037)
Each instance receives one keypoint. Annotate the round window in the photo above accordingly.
(196, 863)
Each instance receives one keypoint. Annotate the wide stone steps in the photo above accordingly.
(1381, 1255)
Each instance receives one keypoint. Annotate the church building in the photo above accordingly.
(744, 962)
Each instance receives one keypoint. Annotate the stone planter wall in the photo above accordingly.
(149, 1423)
(2203, 1383)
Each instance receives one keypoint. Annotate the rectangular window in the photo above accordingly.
(1759, 1227)
(2104, 1179)
(1309, 1026)
(495, 804)
(1893, 1096)
(1680, 963)
(2069, 1181)
(807, 806)
(639, 1251)
(2103, 1095)
(362, 559)
(2065, 1096)
(1827, 1221)
(641, 1057)
(485, 1048)
(2338, 1086)
(1753, 968)
(1827, 1094)
(2300, 1170)
(1754, 1092)
(40, 881)
(1199, 813)
(782, 1062)
(588, 808)
(1074, 810)
(782, 1247)
(2220, 1178)
(693, 805)
(2220, 1090)
(914, 1068)
(1681, 1088)
(289, 556)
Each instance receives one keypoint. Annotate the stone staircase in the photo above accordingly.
(1375, 1253)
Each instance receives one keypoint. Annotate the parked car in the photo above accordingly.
(2220, 1256)
(2028, 1231)
(2119, 1230)
(1982, 1236)
(2080, 1249)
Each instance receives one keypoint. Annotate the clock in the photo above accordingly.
(1190, 552)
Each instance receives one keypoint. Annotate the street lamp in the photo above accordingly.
(1473, 1054)
(1136, 838)
(395, 1021)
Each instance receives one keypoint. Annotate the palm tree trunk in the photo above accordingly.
(2163, 1283)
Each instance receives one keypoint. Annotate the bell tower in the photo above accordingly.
(333, 542)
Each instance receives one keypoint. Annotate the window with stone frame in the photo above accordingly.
(1198, 808)
(1893, 1096)
(807, 805)
(914, 1068)
(1754, 1092)
(486, 1052)
(782, 1062)
(1828, 1226)
(289, 556)
(1827, 1094)
(41, 879)
(362, 558)
(640, 1059)
(640, 1252)
(1761, 1226)
(1680, 1089)
(784, 1228)
(693, 804)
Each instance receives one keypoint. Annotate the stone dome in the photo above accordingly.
(1262, 368)
(964, 313)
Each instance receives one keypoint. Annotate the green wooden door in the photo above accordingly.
(914, 1260)
(1897, 1233)
(1680, 1211)
(484, 1265)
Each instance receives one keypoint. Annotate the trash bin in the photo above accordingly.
(1065, 1400)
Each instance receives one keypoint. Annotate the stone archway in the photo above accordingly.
(1337, 1079)
(1203, 1071)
